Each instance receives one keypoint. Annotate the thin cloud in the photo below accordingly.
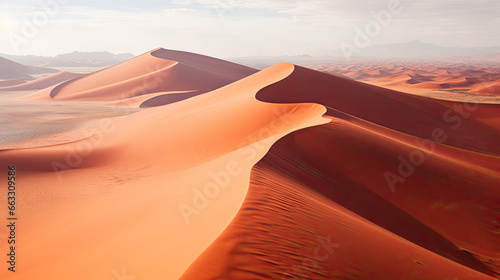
(244, 27)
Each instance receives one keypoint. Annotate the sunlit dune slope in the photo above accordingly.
(88, 203)
(205, 169)
(387, 203)
(418, 116)
(157, 71)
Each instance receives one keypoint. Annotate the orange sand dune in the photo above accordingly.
(285, 173)
(305, 223)
(416, 78)
(438, 79)
(143, 101)
(427, 85)
(417, 116)
(157, 71)
(131, 176)
(487, 88)
(326, 185)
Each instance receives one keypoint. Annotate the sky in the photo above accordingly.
(236, 28)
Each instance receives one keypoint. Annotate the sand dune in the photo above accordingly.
(441, 79)
(288, 215)
(336, 189)
(13, 70)
(160, 149)
(41, 83)
(157, 71)
(487, 88)
(184, 166)
(417, 116)
(12, 82)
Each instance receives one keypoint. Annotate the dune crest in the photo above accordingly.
(339, 168)
(157, 71)
(184, 166)
(158, 150)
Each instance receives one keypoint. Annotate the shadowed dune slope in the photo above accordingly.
(304, 175)
(156, 71)
(321, 204)
(129, 175)
(463, 123)
(423, 77)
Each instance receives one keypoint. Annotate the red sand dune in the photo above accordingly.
(417, 116)
(297, 165)
(421, 77)
(335, 187)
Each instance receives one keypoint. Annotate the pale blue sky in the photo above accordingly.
(228, 28)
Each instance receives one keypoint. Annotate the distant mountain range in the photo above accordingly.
(74, 59)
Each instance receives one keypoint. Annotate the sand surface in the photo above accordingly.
(175, 165)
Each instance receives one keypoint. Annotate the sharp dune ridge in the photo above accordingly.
(438, 80)
(183, 166)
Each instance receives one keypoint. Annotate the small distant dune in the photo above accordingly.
(438, 79)
(41, 83)
(13, 70)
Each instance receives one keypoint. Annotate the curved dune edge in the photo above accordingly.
(129, 199)
(327, 182)
(142, 100)
(156, 71)
(438, 80)
(137, 174)
(479, 96)
(468, 126)
(276, 235)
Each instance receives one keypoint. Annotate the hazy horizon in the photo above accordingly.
(248, 56)
(239, 28)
